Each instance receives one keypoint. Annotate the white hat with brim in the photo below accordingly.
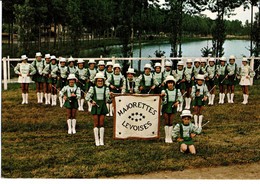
(53, 58)
(244, 59)
(157, 65)
(62, 60)
(71, 77)
(180, 63)
(91, 61)
(99, 76)
(116, 66)
(38, 54)
(24, 57)
(131, 70)
(168, 63)
(80, 61)
(211, 59)
(170, 78)
(197, 60)
(101, 62)
(189, 61)
(47, 56)
(200, 77)
(109, 63)
(186, 113)
(71, 59)
(147, 65)
(232, 57)
(223, 59)
(203, 60)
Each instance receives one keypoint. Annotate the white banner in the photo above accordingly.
(136, 116)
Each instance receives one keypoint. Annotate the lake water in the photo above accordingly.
(239, 48)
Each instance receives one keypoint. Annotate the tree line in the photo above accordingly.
(65, 27)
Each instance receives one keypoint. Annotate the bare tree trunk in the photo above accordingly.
(55, 36)
(12, 38)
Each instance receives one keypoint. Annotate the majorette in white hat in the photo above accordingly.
(185, 113)
(38, 54)
(71, 76)
(80, 61)
(131, 70)
(147, 65)
(24, 57)
(200, 77)
(170, 78)
(99, 76)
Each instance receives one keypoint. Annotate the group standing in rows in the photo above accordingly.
(73, 83)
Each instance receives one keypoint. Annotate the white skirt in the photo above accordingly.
(245, 81)
(24, 79)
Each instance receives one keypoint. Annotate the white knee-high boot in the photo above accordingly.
(55, 100)
(223, 98)
(232, 98)
(89, 107)
(166, 130)
(212, 99)
(228, 97)
(73, 126)
(196, 120)
(101, 132)
(170, 134)
(220, 98)
(69, 126)
(200, 120)
(108, 105)
(52, 100)
(38, 97)
(79, 103)
(26, 98)
(82, 103)
(49, 98)
(111, 109)
(187, 103)
(46, 98)
(96, 136)
(41, 97)
(23, 97)
(246, 98)
(61, 101)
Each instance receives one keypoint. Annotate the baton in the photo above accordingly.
(55, 87)
(181, 96)
(202, 125)
(223, 79)
(212, 88)
(149, 91)
(86, 94)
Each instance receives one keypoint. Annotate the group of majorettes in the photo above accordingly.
(75, 84)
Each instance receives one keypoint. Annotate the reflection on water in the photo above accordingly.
(239, 48)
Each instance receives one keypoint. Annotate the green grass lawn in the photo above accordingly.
(35, 143)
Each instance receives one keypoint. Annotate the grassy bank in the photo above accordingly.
(35, 143)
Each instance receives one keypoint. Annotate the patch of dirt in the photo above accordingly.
(247, 171)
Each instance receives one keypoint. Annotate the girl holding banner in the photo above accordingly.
(171, 99)
(98, 95)
(24, 70)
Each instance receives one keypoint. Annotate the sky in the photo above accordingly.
(240, 14)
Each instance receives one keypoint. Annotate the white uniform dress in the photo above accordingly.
(24, 69)
(246, 73)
